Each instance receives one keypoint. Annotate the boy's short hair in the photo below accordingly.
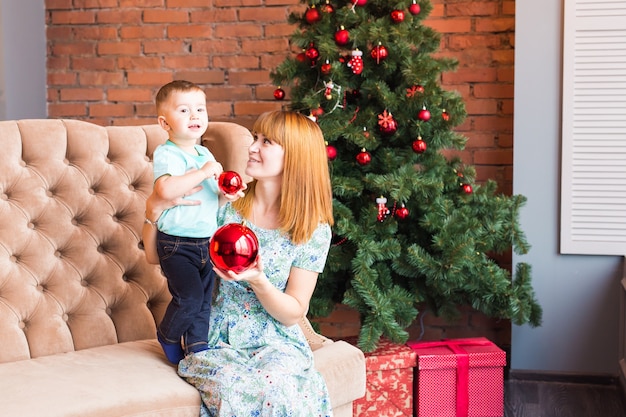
(174, 86)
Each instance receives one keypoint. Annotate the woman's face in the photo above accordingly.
(266, 158)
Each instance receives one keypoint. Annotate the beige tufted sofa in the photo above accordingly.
(78, 302)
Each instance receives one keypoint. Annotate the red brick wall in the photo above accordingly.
(107, 59)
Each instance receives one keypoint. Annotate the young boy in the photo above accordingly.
(184, 230)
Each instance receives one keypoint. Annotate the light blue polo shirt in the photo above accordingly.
(187, 221)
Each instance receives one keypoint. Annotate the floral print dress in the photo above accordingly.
(256, 366)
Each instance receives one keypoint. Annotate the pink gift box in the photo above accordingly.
(459, 378)
(389, 382)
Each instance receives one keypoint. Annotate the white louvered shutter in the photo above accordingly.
(593, 177)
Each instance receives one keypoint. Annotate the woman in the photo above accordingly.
(259, 362)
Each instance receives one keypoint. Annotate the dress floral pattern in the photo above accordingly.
(256, 366)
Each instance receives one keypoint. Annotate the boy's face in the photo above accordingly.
(184, 115)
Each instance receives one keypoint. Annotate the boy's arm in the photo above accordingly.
(169, 187)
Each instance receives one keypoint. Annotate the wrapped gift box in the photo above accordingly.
(459, 378)
(389, 381)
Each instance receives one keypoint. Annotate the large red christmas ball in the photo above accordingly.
(419, 146)
(424, 115)
(312, 53)
(342, 37)
(379, 53)
(233, 247)
(331, 151)
(230, 182)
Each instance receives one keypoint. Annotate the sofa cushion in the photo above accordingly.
(120, 380)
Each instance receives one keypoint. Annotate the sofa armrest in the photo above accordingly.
(343, 367)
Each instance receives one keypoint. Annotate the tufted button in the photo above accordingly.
(57, 253)
(13, 258)
(84, 283)
(22, 325)
(74, 221)
(100, 249)
(30, 225)
(125, 278)
(131, 187)
(40, 288)
(107, 160)
(92, 191)
(4, 196)
(115, 218)
(66, 161)
(108, 311)
(49, 193)
(65, 317)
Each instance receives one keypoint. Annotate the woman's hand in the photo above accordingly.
(253, 275)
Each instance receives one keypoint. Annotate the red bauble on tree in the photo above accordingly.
(233, 247)
(312, 15)
(312, 53)
(327, 7)
(364, 157)
(230, 182)
(331, 152)
(467, 188)
(379, 53)
(445, 115)
(423, 115)
(397, 16)
(359, 2)
(279, 94)
(326, 68)
(414, 8)
(387, 125)
(342, 36)
(419, 146)
(402, 213)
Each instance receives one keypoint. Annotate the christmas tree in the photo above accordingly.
(413, 230)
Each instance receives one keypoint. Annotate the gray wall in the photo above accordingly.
(22, 59)
(579, 294)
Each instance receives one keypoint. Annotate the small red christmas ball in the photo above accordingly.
(389, 129)
(467, 188)
(312, 53)
(414, 8)
(359, 2)
(423, 115)
(312, 15)
(233, 247)
(230, 182)
(331, 151)
(317, 112)
(342, 37)
(327, 7)
(397, 16)
(326, 67)
(301, 57)
(402, 213)
(445, 115)
(279, 94)
(364, 157)
(379, 53)
(419, 146)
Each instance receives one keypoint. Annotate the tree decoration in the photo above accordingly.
(402, 212)
(301, 57)
(445, 115)
(342, 36)
(379, 53)
(328, 90)
(383, 211)
(363, 157)
(279, 94)
(387, 125)
(356, 62)
(230, 182)
(419, 145)
(312, 53)
(442, 257)
(414, 8)
(312, 15)
(327, 7)
(331, 151)
(423, 115)
(326, 68)
(233, 247)
(397, 16)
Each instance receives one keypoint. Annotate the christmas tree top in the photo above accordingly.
(413, 229)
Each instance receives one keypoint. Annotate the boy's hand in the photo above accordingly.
(212, 169)
(237, 195)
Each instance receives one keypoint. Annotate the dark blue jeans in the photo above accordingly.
(190, 277)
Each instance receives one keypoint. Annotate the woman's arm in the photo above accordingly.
(287, 307)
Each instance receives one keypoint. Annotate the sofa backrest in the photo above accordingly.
(72, 201)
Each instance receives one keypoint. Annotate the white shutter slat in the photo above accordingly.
(593, 165)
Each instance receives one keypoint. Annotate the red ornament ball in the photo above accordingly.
(467, 188)
(397, 16)
(424, 115)
(414, 9)
(402, 213)
(379, 53)
(301, 57)
(230, 182)
(331, 151)
(312, 15)
(312, 53)
(279, 94)
(445, 115)
(327, 7)
(364, 157)
(233, 247)
(359, 2)
(419, 146)
(342, 36)
(326, 68)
